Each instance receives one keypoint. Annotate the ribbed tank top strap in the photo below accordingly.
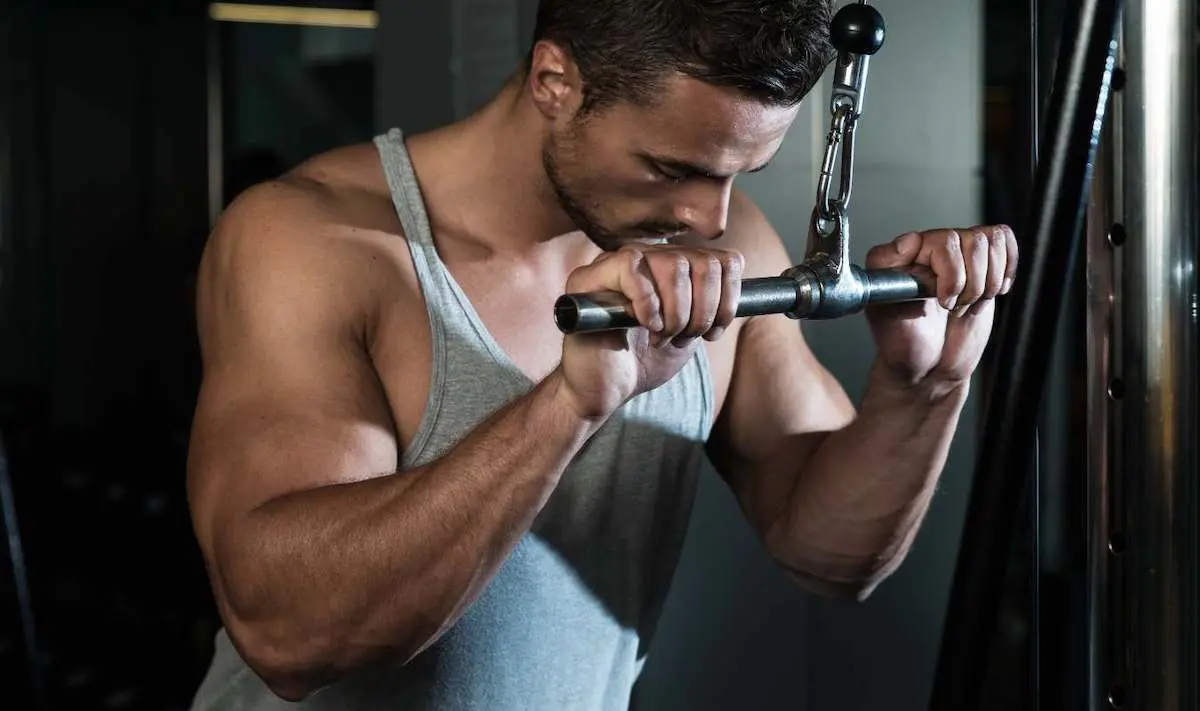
(455, 310)
(410, 207)
(431, 276)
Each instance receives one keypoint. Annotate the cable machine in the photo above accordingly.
(1139, 216)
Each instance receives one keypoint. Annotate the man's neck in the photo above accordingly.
(484, 180)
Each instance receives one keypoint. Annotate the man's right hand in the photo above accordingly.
(678, 295)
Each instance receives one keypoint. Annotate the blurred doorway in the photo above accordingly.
(288, 80)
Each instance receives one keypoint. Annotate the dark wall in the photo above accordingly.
(290, 92)
(104, 137)
(107, 149)
(439, 61)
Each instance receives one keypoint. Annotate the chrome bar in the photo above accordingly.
(609, 311)
(803, 292)
(1158, 462)
(1103, 238)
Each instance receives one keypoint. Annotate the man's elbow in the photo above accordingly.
(284, 654)
(291, 669)
(295, 661)
(851, 583)
(841, 590)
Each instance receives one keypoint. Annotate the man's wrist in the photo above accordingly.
(928, 392)
(567, 405)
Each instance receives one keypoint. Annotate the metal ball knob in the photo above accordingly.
(858, 29)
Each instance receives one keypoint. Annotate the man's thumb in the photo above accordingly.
(900, 252)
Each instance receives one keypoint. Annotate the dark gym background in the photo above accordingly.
(124, 127)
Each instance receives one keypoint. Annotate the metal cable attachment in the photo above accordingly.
(842, 288)
(825, 285)
(857, 33)
(839, 140)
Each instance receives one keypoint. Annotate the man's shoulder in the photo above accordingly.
(352, 169)
(327, 225)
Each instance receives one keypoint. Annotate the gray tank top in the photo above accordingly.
(567, 620)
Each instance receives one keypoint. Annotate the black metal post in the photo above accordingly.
(1073, 121)
(20, 579)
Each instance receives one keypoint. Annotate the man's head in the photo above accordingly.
(653, 106)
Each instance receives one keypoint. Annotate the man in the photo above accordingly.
(412, 492)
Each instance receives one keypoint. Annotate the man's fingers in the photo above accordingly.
(900, 252)
(732, 268)
(707, 279)
(677, 293)
(672, 274)
(636, 282)
(976, 253)
(942, 251)
(970, 265)
(1010, 263)
(625, 272)
(997, 262)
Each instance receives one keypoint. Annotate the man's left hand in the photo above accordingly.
(939, 342)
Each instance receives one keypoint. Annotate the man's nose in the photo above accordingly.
(705, 207)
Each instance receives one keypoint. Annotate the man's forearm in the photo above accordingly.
(862, 495)
(325, 580)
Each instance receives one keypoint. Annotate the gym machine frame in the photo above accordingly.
(1143, 327)
(1143, 374)
(1075, 118)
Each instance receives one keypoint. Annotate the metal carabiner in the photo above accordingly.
(857, 34)
(841, 136)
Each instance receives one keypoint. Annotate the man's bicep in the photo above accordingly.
(289, 399)
(261, 434)
(781, 399)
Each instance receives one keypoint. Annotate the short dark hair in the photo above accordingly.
(772, 50)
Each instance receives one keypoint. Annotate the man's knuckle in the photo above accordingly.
(644, 287)
(680, 268)
(631, 258)
(577, 276)
(736, 261)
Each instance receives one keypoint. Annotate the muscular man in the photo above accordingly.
(412, 492)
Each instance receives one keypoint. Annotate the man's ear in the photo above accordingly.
(554, 81)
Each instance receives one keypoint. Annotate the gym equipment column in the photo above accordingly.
(1074, 118)
(1144, 479)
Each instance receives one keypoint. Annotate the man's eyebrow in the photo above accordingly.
(691, 169)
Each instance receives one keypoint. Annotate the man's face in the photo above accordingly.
(645, 173)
